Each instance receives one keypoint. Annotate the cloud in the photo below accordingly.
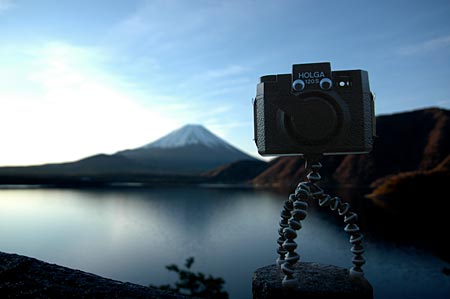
(74, 109)
(426, 46)
(180, 47)
(62, 102)
(160, 25)
(171, 27)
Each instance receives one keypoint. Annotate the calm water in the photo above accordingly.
(131, 234)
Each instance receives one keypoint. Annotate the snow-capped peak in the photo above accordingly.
(188, 135)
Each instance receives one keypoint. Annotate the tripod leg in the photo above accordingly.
(289, 245)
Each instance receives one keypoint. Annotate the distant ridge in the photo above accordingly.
(180, 156)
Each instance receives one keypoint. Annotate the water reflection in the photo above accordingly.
(131, 234)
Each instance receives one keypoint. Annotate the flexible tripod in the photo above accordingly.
(294, 211)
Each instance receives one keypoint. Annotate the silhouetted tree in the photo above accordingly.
(195, 284)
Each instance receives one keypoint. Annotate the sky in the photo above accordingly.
(83, 77)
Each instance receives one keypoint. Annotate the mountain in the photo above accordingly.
(241, 171)
(189, 135)
(409, 141)
(191, 149)
(401, 199)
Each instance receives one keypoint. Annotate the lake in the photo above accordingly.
(130, 234)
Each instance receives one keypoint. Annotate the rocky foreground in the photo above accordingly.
(25, 277)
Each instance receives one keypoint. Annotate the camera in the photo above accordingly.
(314, 111)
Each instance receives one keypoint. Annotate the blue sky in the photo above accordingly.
(84, 77)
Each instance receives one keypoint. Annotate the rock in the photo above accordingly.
(315, 281)
(24, 277)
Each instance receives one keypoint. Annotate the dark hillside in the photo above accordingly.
(417, 140)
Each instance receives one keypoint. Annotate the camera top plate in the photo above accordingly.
(311, 74)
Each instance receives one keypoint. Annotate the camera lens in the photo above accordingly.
(325, 83)
(314, 121)
(298, 85)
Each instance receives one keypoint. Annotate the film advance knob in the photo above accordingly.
(298, 85)
(325, 84)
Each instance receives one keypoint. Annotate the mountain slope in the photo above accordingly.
(188, 150)
(98, 165)
(189, 135)
(416, 140)
(237, 172)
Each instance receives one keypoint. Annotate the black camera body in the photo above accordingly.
(314, 111)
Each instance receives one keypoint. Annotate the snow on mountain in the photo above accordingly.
(190, 149)
(188, 135)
